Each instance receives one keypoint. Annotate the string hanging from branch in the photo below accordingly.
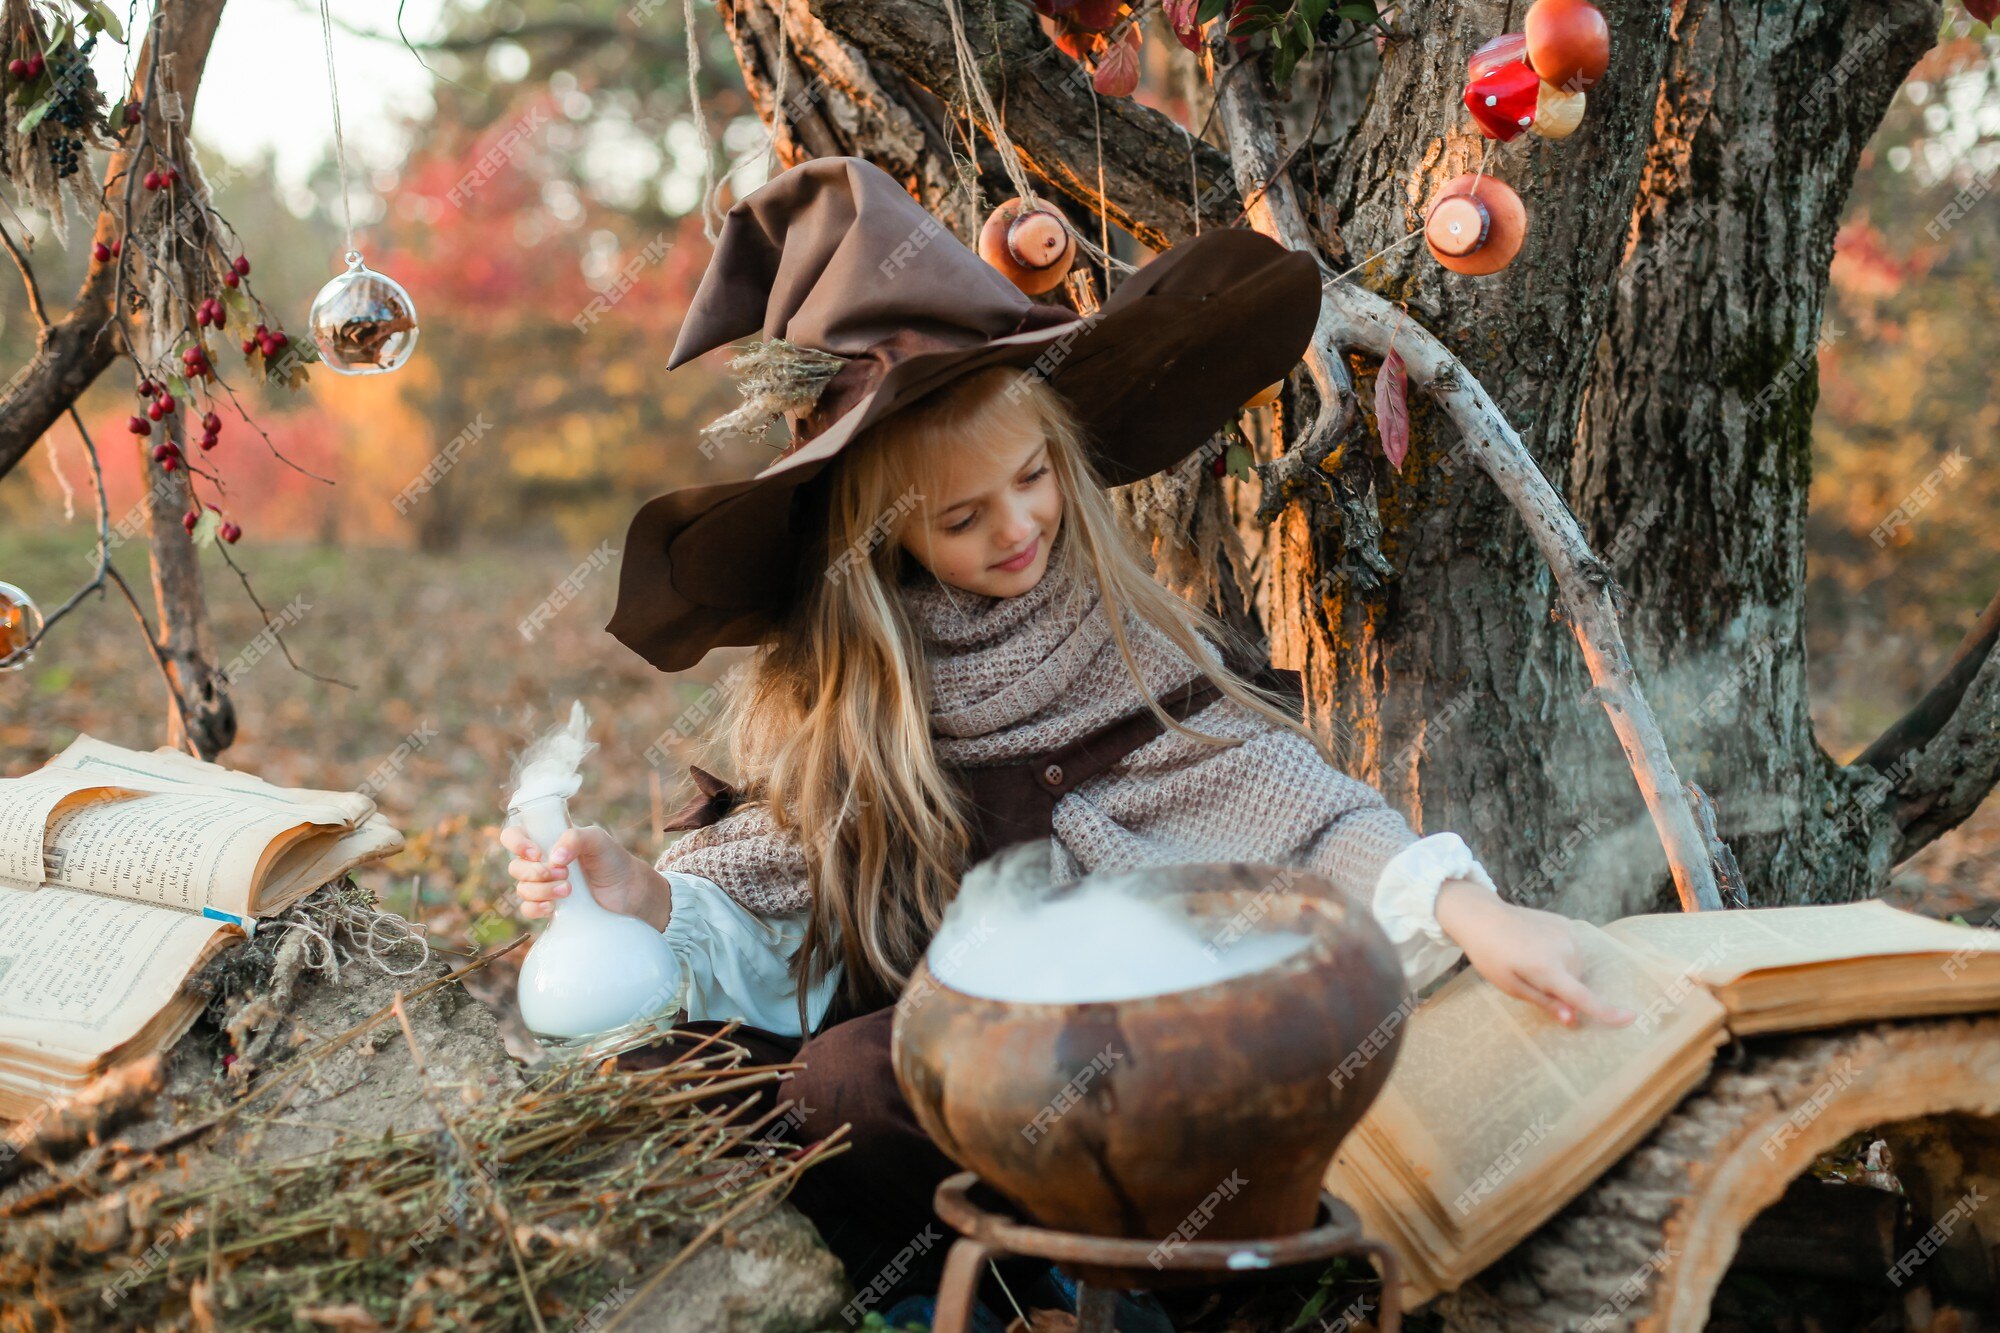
(362, 322)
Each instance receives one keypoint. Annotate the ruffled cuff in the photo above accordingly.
(1405, 903)
(738, 964)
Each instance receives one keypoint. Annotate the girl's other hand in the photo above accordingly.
(620, 881)
(1527, 953)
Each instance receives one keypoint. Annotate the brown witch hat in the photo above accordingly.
(834, 257)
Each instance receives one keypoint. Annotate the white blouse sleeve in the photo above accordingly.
(737, 962)
(1406, 903)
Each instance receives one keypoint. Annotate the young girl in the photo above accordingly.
(972, 651)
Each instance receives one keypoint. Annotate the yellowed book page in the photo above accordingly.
(171, 770)
(81, 974)
(1489, 1093)
(1716, 948)
(311, 863)
(177, 849)
(27, 804)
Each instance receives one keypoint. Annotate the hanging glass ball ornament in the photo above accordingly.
(20, 621)
(363, 322)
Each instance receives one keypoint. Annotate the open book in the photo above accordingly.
(1495, 1115)
(121, 873)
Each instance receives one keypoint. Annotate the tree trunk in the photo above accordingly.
(1698, 437)
(186, 642)
(1647, 348)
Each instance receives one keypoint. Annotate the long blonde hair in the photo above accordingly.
(832, 727)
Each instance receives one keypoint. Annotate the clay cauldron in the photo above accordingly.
(1214, 1110)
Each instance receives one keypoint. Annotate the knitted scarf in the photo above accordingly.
(1013, 677)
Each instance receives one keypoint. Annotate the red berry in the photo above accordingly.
(279, 339)
(117, 244)
(230, 532)
(166, 401)
(18, 68)
(1219, 465)
(155, 411)
(147, 388)
(189, 519)
(170, 463)
(35, 65)
(173, 173)
(139, 426)
(164, 450)
(242, 264)
(230, 279)
(211, 423)
(208, 441)
(100, 252)
(249, 346)
(260, 329)
(201, 316)
(151, 180)
(132, 113)
(221, 315)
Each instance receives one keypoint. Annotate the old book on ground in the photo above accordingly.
(1495, 1115)
(121, 873)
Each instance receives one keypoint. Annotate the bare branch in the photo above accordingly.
(74, 350)
(1918, 727)
(1949, 744)
(1583, 580)
(1159, 180)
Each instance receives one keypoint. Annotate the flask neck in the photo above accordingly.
(545, 818)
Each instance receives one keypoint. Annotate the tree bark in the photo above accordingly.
(1697, 442)
(1675, 270)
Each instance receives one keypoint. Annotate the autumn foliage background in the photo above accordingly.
(549, 179)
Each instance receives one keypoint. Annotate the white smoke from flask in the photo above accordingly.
(552, 764)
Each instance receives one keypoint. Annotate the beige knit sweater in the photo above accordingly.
(1017, 676)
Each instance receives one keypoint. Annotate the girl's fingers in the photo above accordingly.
(1569, 998)
(1523, 988)
(1573, 992)
(515, 839)
(535, 872)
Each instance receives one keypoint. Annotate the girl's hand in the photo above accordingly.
(620, 881)
(1527, 953)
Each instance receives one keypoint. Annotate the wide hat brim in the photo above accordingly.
(1172, 356)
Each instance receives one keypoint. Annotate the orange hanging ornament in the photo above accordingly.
(1475, 228)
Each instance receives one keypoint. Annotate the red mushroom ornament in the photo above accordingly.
(1569, 43)
(1475, 228)
(1509, 48)
(1502, 102)
(1030, 244)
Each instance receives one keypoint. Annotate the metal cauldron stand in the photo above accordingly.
(1105, 1265)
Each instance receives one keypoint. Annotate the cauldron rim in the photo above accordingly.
(1337, 914)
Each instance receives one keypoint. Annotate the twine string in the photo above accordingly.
(339, 145)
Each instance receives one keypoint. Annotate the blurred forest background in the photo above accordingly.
(545, 217)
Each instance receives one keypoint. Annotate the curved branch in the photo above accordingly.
(1353, 316)
(1918, 727)
(74, 350)
(1159, 181)
(1583, 581)
(1944, 754)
